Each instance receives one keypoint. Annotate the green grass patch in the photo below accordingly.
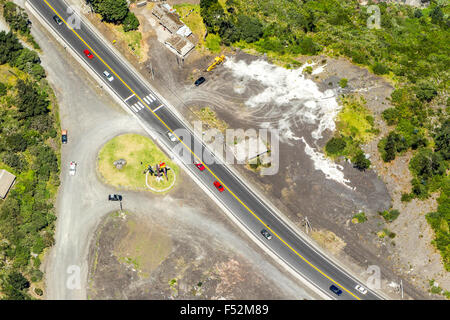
(135, 149)
(209, 117)
(213, 43)
(190, 15)
(359, 218)
(390, 215)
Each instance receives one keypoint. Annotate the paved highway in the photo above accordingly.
(246, 207)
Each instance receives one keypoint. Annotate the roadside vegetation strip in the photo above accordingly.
(29, 149)
(139, 152)
(196, 157)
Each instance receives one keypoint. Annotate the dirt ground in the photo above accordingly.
(179, 249)
(299, 190)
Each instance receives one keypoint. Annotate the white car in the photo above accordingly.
(108, 76)
(171, 136)
(361, 289)
(72, 168)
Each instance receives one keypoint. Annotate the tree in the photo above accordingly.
(437, 16)
(379, 68)
(249, 28)
(18, 281)
(425, 91)
(130, 22)
(112, 10)
(335, 145)
(442, 140)
(360, 161)
(3, 89)
(16, 17)
(9, 47)
(31, 102)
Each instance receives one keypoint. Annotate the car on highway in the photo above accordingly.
(57, 20)
(72, 168)
(88, 54)
(171, 136)
(219, 186)
(200, 166)
(64, 136)
(199, 81)
(115, 197)
(108, 76)
(361, 289)
(266, 234)
(335, 290)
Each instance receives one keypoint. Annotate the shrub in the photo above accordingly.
(130, 22)
(425, 91)
(343, 82)
(379, 68)
(360, 217)
(3, 89)
(390, 215)
(360, 161)
(335, 145)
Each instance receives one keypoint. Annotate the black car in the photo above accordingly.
(57, 20)
(336, 290)
(115, 197)
(199, 81)
(266, 234)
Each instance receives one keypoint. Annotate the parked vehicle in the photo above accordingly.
(64, 136)
(199, 81)
(115, 197)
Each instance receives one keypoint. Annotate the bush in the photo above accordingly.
(343, 82)
(379, 68)
(130, 22)
(16, 17)
(360, 161)
(425, 91)
(111, 10)
(335, 145)
(3, 89)
(390, 215)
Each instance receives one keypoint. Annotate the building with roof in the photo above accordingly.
(6, 182)
(179, 45)
(168, 19)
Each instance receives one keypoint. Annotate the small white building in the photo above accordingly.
(6, 182)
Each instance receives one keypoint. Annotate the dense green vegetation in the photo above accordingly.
(18, 21)
(116, 11)
(390, 215)
(29, 147)
(411, 48)
(355, 126)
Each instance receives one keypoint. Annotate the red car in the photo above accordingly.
(219, 186)
(88, 54)
(200, 166)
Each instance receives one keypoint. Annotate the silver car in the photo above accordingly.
(108, 76)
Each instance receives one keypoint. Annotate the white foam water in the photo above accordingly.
(293, 99)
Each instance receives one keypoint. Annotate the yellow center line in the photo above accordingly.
(232, 193)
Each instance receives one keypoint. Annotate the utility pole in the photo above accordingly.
(307, 225)
(401, 287)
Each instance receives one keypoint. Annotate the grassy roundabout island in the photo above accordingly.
(139, 152)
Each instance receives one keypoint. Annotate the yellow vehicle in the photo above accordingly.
(217, 61)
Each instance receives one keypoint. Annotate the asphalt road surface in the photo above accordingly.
(251, 211)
